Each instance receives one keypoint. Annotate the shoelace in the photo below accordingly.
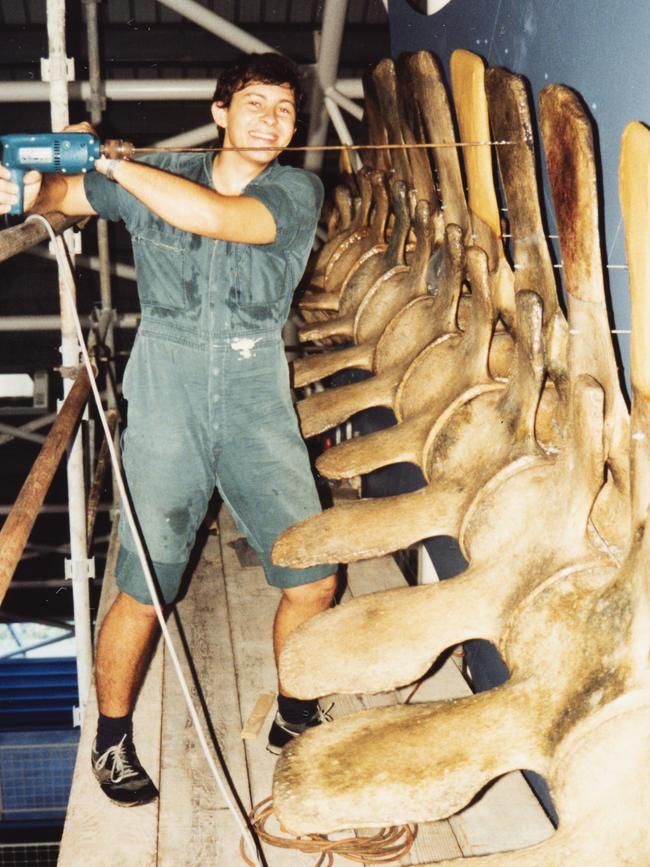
(325, 715)
(122, 768)
(319, 716)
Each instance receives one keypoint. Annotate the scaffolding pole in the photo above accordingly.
(96, 105)
(137, 90)
(18, 239)
(29, 502)
(47, 322)
(214, 23)
(325, 78)
(58, 72)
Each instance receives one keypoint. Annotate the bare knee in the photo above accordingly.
(317, 595)
(131, 607)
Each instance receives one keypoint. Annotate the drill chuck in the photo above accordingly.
(116, 149)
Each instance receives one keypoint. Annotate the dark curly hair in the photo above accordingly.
(267, 68)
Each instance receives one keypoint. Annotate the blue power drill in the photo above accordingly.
(70, 153)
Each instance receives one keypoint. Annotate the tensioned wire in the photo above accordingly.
(340, 147)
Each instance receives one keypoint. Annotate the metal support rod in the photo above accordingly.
(20, 520)
(214, 23)
(18, 433)
(192, 138)
(53, 323)
(136, 90)
(118, 269)
(350, 87)
(24, 649)
(326, 73)
(96, 99)
(344, 103)
(96, 102)
(341, 129)
(32, 425)
(70, 359)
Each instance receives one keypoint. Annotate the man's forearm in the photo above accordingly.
(64, 193)
(194, 208)
(51, 196)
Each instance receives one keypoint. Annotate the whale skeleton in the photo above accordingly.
(576, 707)
(434, 365)
(430, 322)
(388, 265)
(348, 532)
(367, 267)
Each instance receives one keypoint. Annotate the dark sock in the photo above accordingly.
(111, 730)
(294, 710)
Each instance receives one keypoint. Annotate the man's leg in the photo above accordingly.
(123, 651)
(299, 604)
(170, 475)
(265, 479)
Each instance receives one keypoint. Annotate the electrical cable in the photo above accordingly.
(385, 847)
(248, 841)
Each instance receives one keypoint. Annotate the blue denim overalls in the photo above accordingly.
(207, 384)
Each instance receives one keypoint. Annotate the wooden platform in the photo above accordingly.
(225, 621)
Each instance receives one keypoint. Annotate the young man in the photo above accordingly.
(219, 242)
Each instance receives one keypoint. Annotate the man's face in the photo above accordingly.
(259, 116)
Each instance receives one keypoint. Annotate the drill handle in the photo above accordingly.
(17, 176)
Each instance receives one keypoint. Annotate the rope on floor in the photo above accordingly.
(385, 847)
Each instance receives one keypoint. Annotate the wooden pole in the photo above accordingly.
(17, 239)
(16, 529)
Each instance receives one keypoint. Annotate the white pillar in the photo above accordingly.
(426, 570)
(325, 77)
(58, 77)
(214, 23)
(136, 90)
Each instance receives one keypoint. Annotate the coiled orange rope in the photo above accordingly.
(386, 846)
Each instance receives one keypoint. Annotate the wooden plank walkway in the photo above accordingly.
(225, 621)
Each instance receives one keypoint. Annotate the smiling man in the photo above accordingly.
(220, 243)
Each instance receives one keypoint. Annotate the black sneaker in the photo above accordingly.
(282, 732)
(121, 776)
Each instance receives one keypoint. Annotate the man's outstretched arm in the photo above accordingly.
(191, 207)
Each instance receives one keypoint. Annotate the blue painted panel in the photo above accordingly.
(37, 693)
(598, 49)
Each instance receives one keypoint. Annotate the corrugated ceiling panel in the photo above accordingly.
(301, 11)
(276, 12)
(147, 11)
(168, 16)
(13, 12)
(116, 11)
(356, 11)
(18, 12)
(249, 11)
(225, 8)
(35, 11)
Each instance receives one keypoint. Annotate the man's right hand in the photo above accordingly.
(9, 190)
